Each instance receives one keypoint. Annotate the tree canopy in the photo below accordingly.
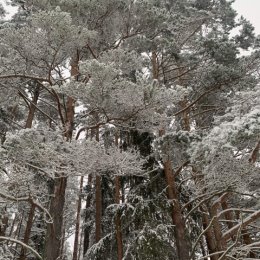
(129, 131)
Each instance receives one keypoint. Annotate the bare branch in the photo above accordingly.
(22, 244)
(20, 93)
(227, 235)
(25, 77)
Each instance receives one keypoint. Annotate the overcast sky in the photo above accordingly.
(250, 9)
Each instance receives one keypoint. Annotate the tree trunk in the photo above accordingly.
(27, 232)
(80, 245)
(209, 236)
(98, 194)
(77, 229)
(54, 229)
(155, 65)
(70, 105)
(118, 221)
(220, 243)
(119, 238)
(17, 232)
(28, 124)
(247, 240)
(182, 244)
(86, 230)
(32, 107)
(3, 224)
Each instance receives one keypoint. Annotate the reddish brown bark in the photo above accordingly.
(54, 234)
(228, 215)
(209, 236)
(185, 116)
(182, 244)
(220, 243)
(247, 240)
(69, 124)
(255, 152)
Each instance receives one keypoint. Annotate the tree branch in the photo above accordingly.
(25, 77)
(227, 235)
(20, 93)
(22, 244)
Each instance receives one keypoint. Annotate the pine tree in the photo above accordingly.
(133, 125)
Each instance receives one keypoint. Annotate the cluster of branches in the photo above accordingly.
(131, 127)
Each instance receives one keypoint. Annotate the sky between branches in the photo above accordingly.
(248, 8)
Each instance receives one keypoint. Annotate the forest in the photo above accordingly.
(129, 130)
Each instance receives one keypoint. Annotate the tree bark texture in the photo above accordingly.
(77, 228)
(182, 243)
(32, 107)
(54, 229)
